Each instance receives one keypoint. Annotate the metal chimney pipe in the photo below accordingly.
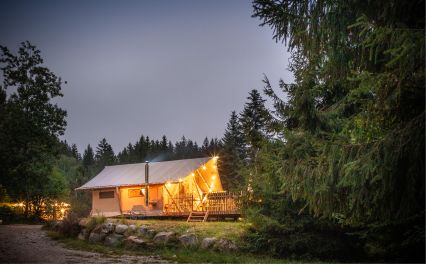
(146, 182)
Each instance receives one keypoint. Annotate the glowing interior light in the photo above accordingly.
(215, 158)
(214, 166)
(192, 174)
(204, 167)
(180, 180)
(213, 177)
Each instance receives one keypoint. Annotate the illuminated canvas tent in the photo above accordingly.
(174, 188)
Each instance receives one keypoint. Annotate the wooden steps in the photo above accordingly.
(198, 216)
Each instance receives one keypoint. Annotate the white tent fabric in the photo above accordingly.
(134, 174)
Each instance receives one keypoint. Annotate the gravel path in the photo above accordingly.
(30, 244)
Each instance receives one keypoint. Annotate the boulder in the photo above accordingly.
(83, 222)
(132, 228)
(208, 242)
(85, 233)
(143, 230)
(165, 237)
(108, 228)
(81, 236)
(121, 229)
(134, 241)
(151, 233)
(225, 245)
(189, 240)
(114, 240)
(95, 237)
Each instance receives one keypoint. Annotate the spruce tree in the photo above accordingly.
(232, 155)
(104, 154)
(254, 120)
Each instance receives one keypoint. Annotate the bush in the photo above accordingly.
(94, 221)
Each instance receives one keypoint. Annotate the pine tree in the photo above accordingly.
(232, 155)
(254, 120)
(74, 152)
(104, 154)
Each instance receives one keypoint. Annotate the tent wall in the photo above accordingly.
(128, 198)
(105, 206)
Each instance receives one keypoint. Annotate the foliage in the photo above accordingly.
(349, 137)
(232, 155)
(29, 126)
(70, 226)
(94, 221)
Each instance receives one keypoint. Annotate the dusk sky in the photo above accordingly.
(147, 67)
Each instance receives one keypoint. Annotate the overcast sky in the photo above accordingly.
(147, 67)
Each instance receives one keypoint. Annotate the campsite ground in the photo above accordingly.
(30, 244)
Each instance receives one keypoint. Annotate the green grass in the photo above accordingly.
(180, 255)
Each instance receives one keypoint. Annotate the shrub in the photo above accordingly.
(69, 226)
(94, 221)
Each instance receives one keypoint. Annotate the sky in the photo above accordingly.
(155, 68)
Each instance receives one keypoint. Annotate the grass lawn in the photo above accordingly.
(180, 255)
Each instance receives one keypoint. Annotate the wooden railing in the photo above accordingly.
(220, 202)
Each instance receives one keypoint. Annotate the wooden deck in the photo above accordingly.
(219, 205)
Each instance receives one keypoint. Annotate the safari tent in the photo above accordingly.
(169, 188)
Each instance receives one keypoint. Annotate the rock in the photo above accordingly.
(121, 229)
(108, 228)
(95, 237)
(208, 242)
(83, 222)
(113, 240)
(189, 240)
(134, 241)
(85, 233)
(151, 233)
(132, 228)
(225, 245)
(143, 230)
(81, 236)
(165, 237)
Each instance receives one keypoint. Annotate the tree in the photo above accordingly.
(29, 123)
(88, 157)
(104, 154)
(232, 155)
(74, 152)
(254, 119)
(352, 125)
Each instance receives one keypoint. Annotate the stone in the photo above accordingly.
(189, 240)
(225, 245)
(108, 228)
(165, 237)
(151, 233)
(143, 230)
(114, 240)
(95, 237)
(121, 229)
(83, 222)
(85, 233)
(134, 241)
(132, 229)
(81, 236)
(208, 242)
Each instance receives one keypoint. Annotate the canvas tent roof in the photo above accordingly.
(134, 174)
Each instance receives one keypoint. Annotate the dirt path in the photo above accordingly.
(29, 244)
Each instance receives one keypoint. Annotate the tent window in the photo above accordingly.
(135, 193)
(106, 195)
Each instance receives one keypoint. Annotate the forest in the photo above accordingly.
(336, 167)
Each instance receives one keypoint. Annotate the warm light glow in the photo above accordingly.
(204, 168)
(65, 204)
(214, 166)
(168, 184)
(192, 174)
(213, 177)
(21, 204)
(215, 158)
(180, 180)
(62, 210)
(56, 204)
